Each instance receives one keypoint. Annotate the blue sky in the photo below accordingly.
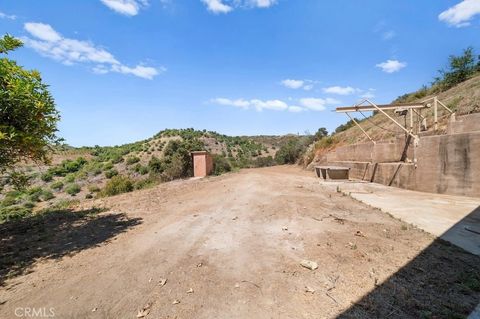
(122, 70)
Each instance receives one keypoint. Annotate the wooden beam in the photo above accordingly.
(345, 109)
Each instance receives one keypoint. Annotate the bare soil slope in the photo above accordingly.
(230, 247)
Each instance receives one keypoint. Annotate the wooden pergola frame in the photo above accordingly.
(410, 107)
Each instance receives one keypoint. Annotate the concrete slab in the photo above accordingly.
(453, 218)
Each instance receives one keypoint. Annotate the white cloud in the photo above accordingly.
(52, 44)
(295, 109)
(146, 72)
(263, 3)
(347, 90)
(461, 14)
(226, 6)
(42, 31)
(7, 16)
(293, 84)
(276, 105)
(317, 104)
(241, 103)
(307, 85)
(391, 66)
(125, 7)
(258, 105)
(305, 104)
(217, 6)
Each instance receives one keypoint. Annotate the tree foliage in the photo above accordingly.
(460, 68)
(344, 127)
(321, 133)
(294, 147)
(28, 117)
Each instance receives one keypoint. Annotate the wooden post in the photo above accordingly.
(435, 113)
(411, 120)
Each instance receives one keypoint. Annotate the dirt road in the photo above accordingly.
(230, 247)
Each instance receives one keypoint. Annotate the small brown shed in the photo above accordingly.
(202, 163)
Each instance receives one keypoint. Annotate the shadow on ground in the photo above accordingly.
(55, 234)
(443, 281)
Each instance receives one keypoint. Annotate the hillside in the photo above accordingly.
(463, 98)
(88, 172)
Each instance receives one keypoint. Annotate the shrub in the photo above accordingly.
(132, 160)
(290, 152)
(47, 177)
(9, 200)
(141, 169)
(264, 161)
(46, 195)
(63, 204)
(68, 166)
(73, 189)
(34, 193)
(13, 213)
(111, 173)
(221, 165)
(325, 142)
(70, 178)
(82, 175)
(144, 183)
(28, 205)
(117, 158)
(58, 185)
(175, 168)
(19, 180)
(117, 185)
(346, 126)
(89, 196)
(107, 166)
(93, 188)
(155, 165)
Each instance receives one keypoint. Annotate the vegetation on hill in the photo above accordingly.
(459, 69)
(90, 172)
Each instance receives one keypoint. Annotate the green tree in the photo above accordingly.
(460, 68)
(321, 133)
(292, 149)
(28, 118)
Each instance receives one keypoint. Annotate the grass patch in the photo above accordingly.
(73, 189)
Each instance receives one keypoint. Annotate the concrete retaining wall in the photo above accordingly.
(446, 164)
(449, 164)
(381, 152)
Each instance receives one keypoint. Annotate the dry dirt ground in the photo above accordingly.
(231, 247)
